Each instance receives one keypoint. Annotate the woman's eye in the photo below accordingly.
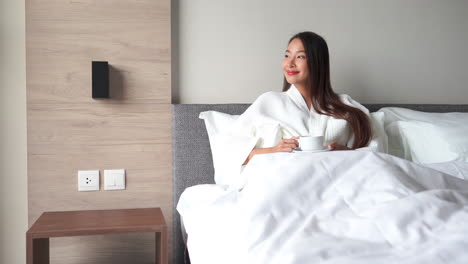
(301, 57)
(286, 56)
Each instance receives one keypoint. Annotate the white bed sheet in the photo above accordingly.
(331, 207)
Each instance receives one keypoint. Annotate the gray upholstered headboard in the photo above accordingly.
(192, 161)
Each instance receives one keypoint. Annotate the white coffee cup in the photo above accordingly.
(311, 143)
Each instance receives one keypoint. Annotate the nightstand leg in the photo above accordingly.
(161, 247)
(37, 250)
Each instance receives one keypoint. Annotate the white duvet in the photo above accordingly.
(330, 207)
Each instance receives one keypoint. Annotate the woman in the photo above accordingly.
(306, 107)
(306, 66)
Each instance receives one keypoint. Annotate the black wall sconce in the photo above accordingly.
(100, 76)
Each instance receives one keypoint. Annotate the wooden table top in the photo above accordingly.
(96, 222)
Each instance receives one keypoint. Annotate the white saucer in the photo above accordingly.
(311, 151)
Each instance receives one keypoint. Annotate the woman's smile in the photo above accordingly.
(292, 72)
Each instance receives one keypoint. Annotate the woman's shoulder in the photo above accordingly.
(270, 97)
(347, 100)
(265, 103)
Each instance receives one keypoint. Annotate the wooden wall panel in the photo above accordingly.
(63, 38)
(69, 131)
(68, 138)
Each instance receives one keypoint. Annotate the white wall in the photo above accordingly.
(13, 181)
(381, 51)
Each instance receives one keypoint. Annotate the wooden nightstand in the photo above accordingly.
(96, 222)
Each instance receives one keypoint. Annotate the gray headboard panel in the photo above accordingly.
(192, 161)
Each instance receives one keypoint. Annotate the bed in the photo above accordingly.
(192, 160)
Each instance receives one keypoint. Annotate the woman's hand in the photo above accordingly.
(336, 146)
(286, 145)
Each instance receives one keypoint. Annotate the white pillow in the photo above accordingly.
(426, 137)
(216, 123)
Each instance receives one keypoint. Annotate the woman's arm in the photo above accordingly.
(285, 145)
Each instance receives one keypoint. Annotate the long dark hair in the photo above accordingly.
(324, 100)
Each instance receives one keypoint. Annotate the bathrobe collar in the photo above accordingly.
(297, 98)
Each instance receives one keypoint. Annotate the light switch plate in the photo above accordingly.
(88, 180)
(114, 179)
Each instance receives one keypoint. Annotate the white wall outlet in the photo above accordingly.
(88, 180)
(114, 179)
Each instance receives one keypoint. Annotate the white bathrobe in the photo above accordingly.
(272, 117)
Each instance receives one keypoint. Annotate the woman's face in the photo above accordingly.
(295, 64)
